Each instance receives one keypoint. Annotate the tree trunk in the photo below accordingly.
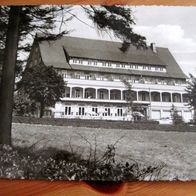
(42, 107)
(8, 75)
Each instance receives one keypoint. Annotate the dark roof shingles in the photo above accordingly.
(53, 53)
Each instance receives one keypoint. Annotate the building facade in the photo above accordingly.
(94, 72)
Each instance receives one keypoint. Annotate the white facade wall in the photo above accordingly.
(155, 110)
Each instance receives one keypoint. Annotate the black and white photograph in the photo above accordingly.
(98, 93)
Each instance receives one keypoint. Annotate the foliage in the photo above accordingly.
(23, 106)
(43, 85)
(118, 19)
(23, 163)
(176, 118)
(129, 98)
(43, 19)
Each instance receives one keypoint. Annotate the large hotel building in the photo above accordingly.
(94, 71)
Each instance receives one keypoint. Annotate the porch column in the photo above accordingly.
(161, 97)
(121, 94)
(83, 93)
(96, 93)
(171, 97)
(109, 94)
(70, 92)
(150, 98)
(137, 96)
(181, 98)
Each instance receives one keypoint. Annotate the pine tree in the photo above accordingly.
(8, 75)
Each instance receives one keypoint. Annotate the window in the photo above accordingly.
(101, 77)
(80, 61)
(131, 66)
(109, 64)
(161, 68)
(123, 65)
(104, 64)
(95, 111)
(101, 95)
(157, 68)
(144, 67)
(89, 62)
(143, 96)
(117, 65)
(95, 62)
(87, 77)
(81, 111)
(75, 61)
(119, 112)
(149, 67)
(77, 93)
(67, 110)
(77, 76)
(136, 66)
(107, 112)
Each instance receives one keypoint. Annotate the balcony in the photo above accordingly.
(122, 96)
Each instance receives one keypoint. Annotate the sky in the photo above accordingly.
(170, 27)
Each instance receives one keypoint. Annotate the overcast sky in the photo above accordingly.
(171, 27)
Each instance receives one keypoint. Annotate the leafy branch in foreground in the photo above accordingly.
(119, 20)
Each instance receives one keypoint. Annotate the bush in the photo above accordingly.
(176, 118)
(52, 164)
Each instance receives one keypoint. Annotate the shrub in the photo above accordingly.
(23, 163)
(176, 118)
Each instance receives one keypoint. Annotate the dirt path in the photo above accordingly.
(176, 149)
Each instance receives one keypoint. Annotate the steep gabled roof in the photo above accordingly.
(54, 53)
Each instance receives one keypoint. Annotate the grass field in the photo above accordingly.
(175, 149)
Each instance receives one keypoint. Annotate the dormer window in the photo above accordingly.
(104, 64)
(109, 64)
(131, 66)
(75, 61)
(95, 62)
(80, 61)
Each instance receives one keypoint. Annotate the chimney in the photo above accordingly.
(153, 47)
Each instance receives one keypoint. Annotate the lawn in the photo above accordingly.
(175, 149)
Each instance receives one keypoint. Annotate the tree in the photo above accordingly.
(129, 94)
(43, 85)
(23, 20)
(23, 106)
(129, 97)
(16, 22)
(119, 20)
(191, 90)
(176, 118)
(8, 75)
